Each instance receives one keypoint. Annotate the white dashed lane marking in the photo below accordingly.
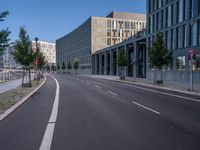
(154, 111)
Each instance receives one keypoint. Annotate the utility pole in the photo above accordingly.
(191, 72)
(36, 59)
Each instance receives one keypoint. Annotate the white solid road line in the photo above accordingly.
(48, 136)
(154, 111)
(97, 86)
(113, 93)
(89, 83)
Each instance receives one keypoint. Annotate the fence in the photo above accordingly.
(6, 76)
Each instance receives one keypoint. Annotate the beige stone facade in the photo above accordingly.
(48, 50)
(94, 34)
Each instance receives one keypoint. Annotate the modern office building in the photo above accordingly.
(7, 60)
(48, 50)
(179, 21)
(97, 33)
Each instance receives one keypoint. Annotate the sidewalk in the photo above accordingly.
(168, 85)
(6, 86)
(12, 84)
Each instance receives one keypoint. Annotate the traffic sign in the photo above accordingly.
(193, 53)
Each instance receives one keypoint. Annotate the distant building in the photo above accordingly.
(6, 58)
(48, 50)
(97, 33)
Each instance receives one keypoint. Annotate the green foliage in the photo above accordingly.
(48, 67)
(52, 67)
(158, 55)
(76, 65)
(122, 59)
(58, 66)
(23, 53)
(63, 67)
(4, 33)
(69, 66)
(41, 60)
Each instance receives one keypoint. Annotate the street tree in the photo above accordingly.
(4, 33)
(48, 68)
(52, 67)
(40, 60)
(23, 53)
(63, 67)
(159, 56)
(58, 67)
(69, 66)
(122, 62)
(76, 65)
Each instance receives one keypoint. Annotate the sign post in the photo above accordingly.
(191, 58)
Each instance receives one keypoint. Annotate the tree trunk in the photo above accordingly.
(23, 77)
(29, 74)
(155, 76)
(161, 76)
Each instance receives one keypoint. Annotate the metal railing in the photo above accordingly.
(10, 75)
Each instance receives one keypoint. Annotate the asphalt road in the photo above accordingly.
(96, 114)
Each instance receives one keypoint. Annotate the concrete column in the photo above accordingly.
(117, 68)
(105, 63)
(134, 61)
(144, 57)
(126, 52)
(96, 64)
(100, 64)
(111, 62)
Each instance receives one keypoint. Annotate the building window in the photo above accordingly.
(180, 37)
(109, 23)
(194, 9)
(180, 63)
(194, 34)
(199, 31)
(109, 32)
(151, 24)
(180, 14)
(198, 62)
(108, 41)
(184, 36)
(127, 25)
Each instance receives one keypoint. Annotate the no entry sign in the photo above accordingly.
(193, 53)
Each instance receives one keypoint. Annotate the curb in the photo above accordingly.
(159, 87)
(147, 85)
(9, 111)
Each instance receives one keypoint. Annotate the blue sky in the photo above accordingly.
(50, 19)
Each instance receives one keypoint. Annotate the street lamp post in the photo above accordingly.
(191, 72)
(36, 61)
(191, 55)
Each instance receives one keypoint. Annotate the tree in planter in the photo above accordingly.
(63, 67)
(159, 56)
(41, 62)
(76, 65)
(53, 67)
(23, 53)
(58, 67)
(69, 66)
(122, 62)
(48, 68)
(4, 34)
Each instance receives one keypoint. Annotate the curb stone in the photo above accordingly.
(147, 85)
(159, 87)
(9, 111)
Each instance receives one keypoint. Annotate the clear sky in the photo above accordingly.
(50, 19)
